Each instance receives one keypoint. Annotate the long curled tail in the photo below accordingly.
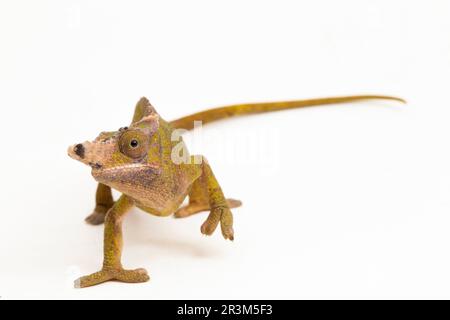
(215, 114)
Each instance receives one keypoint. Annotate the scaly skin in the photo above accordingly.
(138, 161)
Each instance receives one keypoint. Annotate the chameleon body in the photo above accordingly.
(137, 161)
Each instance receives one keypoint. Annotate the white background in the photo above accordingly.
(354, 202)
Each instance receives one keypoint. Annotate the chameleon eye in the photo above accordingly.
(134, 144)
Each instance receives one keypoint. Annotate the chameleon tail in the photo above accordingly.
(215, 114)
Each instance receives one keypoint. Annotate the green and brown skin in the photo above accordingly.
(137, 161)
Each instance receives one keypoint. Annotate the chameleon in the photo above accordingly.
(138, 161)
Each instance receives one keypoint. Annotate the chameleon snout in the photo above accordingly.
(77, 152)
(83, 152)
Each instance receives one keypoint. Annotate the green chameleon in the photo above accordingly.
(139, 162)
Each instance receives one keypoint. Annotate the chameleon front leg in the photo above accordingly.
(220, 209)
(112, 248)
(199, 195)
(103, 202)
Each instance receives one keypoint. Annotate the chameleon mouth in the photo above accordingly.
(98, 166)
(95, 165)
(98, 170)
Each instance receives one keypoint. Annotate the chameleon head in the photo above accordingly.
(114, 154)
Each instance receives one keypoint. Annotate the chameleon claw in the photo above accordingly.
(208, 227)
(98, 216)
(129, 276)
(132, 276)
(224, 216)
(93, 279)
(95, 219)
(228, 233)
(226, 225)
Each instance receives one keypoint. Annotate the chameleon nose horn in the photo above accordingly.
(79, 150)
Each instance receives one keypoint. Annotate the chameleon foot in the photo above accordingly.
(98, 216)
(194, 208)
(130, 276)
(224, 216)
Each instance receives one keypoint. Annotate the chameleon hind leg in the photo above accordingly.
(103, 202)
(206, 194)
(194, 207)
(112, 248)
(199, 203)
